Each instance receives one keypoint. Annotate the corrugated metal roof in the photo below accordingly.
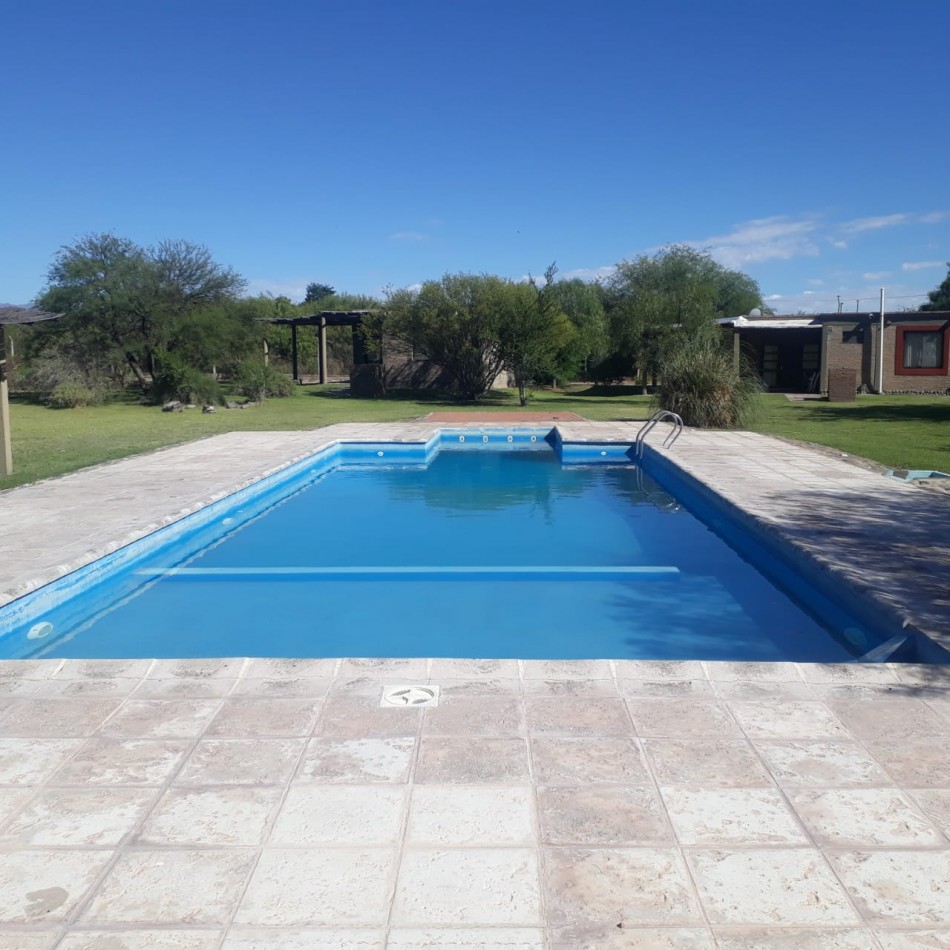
(10, 314)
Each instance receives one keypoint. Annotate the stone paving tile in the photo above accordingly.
(588, 761)
(890, 719)
(914, 939)
(760, 938)
(161, 718)
(43, 886)
(140, 940)
(722, 817)
(171, 888)
(769, 886)
(123, 762)
(462, 669)
(336, 887)
(474, 716)
(788, 720)
(630, 938)
(687, 718)
(447, 761)
(96, 817)
(239, 938)
(241, 762)
(453, 816)
(33, 761)
(337, 815)
(214, 817)
(914, 763)
(823, 764)
(577, 717)
(599, 814)
(357, 761)
(54, 718)
(707, 762)
(20, 940)
(494, 938)
(605, 887)
(239, 718)
(468, 886)
(935, 803)
(347, 718)
(864, 818)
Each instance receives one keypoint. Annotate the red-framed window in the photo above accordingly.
(922, 350)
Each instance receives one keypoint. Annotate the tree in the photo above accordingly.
(939, 298)
(533, 331)
(583, 305)
(455, 320)
(134, 303)
(654, 301)
(317, 292)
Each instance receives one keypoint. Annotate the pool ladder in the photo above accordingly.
(661, 415)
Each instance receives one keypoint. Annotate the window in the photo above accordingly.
(921, 351)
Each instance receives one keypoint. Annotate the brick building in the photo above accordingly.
(796, 353)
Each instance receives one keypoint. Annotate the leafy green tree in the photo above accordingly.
(583, 305)
(533, 331)
(316, 292)
(939, 297)
(456, 320)
(654, 302)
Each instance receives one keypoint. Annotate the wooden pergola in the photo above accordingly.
(322, 320)
(10, 316)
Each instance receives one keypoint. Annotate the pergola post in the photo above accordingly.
(322, 338)
(293, 352)
(6, 451)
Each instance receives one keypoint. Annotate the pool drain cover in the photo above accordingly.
(410, 696)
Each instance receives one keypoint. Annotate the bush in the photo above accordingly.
(73, 396)
(175, 379)
(700, 382)
(256, 380)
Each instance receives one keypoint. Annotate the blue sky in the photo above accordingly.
(368, 143)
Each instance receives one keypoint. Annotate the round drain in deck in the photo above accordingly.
(410, 696)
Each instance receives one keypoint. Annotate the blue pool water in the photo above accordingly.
(488, 551)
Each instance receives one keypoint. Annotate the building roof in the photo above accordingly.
(11, 314)
(798, 321)
(334, 318)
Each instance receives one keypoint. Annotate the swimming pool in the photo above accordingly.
(481, 544)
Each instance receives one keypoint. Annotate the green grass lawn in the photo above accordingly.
(898, 431)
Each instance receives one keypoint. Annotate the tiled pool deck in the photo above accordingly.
(272, 803)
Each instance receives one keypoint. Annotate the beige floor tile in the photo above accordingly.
(576, 716)
(240, 938)
(356, 761)
(161, 718)
(566, 670)
(731, 817)
(123, 762)
(55, 718)
(468, 887)
(686, 718)
(863, 818)
(760, 938)
(473, 761)
(600, 814)
(33, 761)
(769, 886)
(588, 761)
(898, 887)
(914, 939)
(462, 669)
(709, 762)
(21, 940)
(630, 938)
(601, 689)
(449, 816)
(913, 763)
(340, 815)
(291, 669)
(667, 689)
(658, 670)
(44, 887)
(346, 718)
(282, 687)
(821, 764)
(329, 887)
(890, 719)
(140, 940)
(494, 938)
(241, 762)
(474, 716)
(604, 887)
(95, 817)
(12, 800)
(239, 718)
(211, 816)
(788, 720)
(152, 888)
(935, 803)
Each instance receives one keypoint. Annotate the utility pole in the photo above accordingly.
(880, 350)
(840, 303)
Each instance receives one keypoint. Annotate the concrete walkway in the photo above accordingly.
(243, 803)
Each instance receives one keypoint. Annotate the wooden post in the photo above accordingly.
(293, 351)
(322, 336)
(6, 452)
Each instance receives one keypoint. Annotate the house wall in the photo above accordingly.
(895, 382)
(844, 349)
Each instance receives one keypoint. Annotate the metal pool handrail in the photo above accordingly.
(659, 416)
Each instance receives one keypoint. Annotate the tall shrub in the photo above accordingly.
(700, 382)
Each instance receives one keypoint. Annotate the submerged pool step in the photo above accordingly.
(514, 572)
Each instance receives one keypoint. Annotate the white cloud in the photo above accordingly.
(932, 217)
(589, 273)
(762, 239)
(876, 274)
(922, 265)
(408, 236)
(816, 282)
(838, 244)
(774, 297)
(891, 220)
